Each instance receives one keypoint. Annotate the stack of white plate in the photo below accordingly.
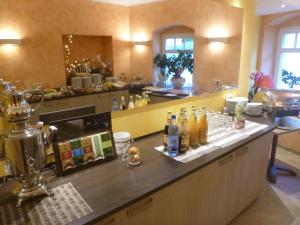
(232, 102)
(96, 78)
(76, 82)
(254, 109)
(87, 82)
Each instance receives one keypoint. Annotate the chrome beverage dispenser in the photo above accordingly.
(24, 146)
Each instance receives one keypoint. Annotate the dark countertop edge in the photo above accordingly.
(78, 95)
(94, 217)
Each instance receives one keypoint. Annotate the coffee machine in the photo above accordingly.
(24, 146)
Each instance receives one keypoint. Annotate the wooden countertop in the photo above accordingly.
(112, 186)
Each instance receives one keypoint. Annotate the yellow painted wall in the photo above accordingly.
(142, 121)
(151, 119)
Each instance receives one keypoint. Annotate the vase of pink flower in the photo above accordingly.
(255, 79)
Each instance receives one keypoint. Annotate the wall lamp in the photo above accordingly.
(141, 42)
(10, 41)
(218, 39)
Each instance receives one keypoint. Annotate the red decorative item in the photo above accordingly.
(266, 82)
(259, 80)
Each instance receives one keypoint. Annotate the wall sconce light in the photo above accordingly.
(141, 42)
(217, 39)
(10, 41)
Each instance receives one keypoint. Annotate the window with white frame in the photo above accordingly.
(288, 58)
(171, 44)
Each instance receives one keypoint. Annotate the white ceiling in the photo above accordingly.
(266, 7)
(128, 2)
(263, 7)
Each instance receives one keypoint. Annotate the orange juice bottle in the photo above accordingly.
(203, 128)
(193, 129)
(184, 135)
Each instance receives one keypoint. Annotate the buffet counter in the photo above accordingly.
(212, 189)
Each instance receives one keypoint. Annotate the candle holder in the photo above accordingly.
(134, 156)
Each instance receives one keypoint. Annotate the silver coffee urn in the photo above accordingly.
(24, 146)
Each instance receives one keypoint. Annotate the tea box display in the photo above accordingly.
(85, 149)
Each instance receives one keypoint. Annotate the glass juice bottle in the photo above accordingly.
(122, 104)
(131, 103)
(184, 135)
(203, 128)
(138, 101)
(144, 100)
(166, 130)
(173, 138)
(193, 129)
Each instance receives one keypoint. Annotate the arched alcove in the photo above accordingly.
(176, 32)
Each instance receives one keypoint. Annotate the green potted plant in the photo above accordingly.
(161, 61)
(174, 66)
(177, 64)
(289, 78)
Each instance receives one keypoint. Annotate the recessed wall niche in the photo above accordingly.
(178, 34)
(86, 49)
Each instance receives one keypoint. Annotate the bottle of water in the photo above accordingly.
(173, 138)
(115, 105)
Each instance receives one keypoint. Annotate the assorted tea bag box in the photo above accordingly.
(85, 149)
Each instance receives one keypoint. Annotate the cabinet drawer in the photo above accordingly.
(139, 207)
(112, 220)
(70, 103)
(109, 221)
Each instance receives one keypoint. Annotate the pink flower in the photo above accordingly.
(256, 77)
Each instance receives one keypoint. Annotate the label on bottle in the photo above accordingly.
(165, 142)
(165, 137)
(184, 143)
(173, 143)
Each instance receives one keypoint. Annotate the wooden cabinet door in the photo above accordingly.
(252, 162)
(91, 100)
(112, 220)
(225, 195)
(213, 193)
(48, 106)
(102, 102)
(69, 103)
(203, 187)
(166, 207)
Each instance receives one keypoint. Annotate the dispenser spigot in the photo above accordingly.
(47, 136)
(51, 132)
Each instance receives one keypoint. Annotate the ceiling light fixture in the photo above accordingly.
(283, 6)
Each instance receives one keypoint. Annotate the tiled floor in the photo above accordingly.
(280, 203)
